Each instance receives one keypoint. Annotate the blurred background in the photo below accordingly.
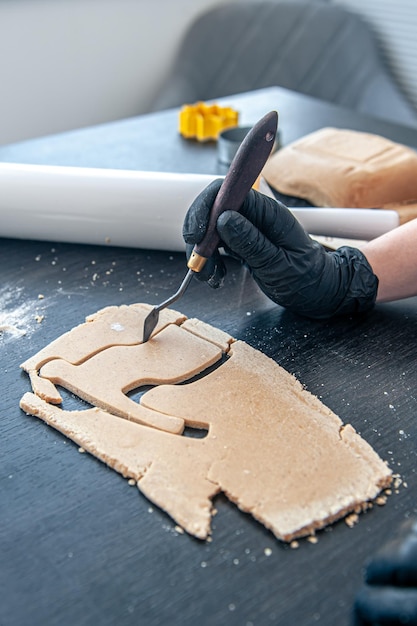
(66, 64)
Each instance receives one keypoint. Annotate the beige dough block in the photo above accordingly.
(345, 168)
(274, 449)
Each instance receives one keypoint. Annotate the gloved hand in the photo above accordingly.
(389, 597)
(290, 268)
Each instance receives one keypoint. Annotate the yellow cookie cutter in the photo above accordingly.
(203, 121)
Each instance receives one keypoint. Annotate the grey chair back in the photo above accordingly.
(312, 47)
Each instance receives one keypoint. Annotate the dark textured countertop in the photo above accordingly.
(78, 544)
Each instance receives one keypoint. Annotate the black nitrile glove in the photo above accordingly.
(290, 268)
(389, 597)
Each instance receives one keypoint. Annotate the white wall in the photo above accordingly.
(71, 63)
(65, 64)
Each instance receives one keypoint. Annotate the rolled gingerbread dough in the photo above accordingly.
(272, 447)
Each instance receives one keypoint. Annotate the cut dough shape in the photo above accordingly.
(103, 380)
(113, 326)
(273, 448)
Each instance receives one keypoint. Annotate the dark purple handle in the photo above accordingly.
(243, 172)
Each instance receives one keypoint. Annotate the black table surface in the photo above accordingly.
(79, 545)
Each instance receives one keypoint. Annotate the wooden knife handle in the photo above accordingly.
(243, 172)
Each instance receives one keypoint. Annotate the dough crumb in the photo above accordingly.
(312, 539)
(396, 481)
(352, 519)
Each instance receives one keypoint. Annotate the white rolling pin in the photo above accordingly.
(133, 209)
(347, 223)
(96, 206)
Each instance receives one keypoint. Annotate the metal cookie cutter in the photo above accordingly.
(230, 139)
(204, 122)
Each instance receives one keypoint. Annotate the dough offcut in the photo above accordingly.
(272, 447)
